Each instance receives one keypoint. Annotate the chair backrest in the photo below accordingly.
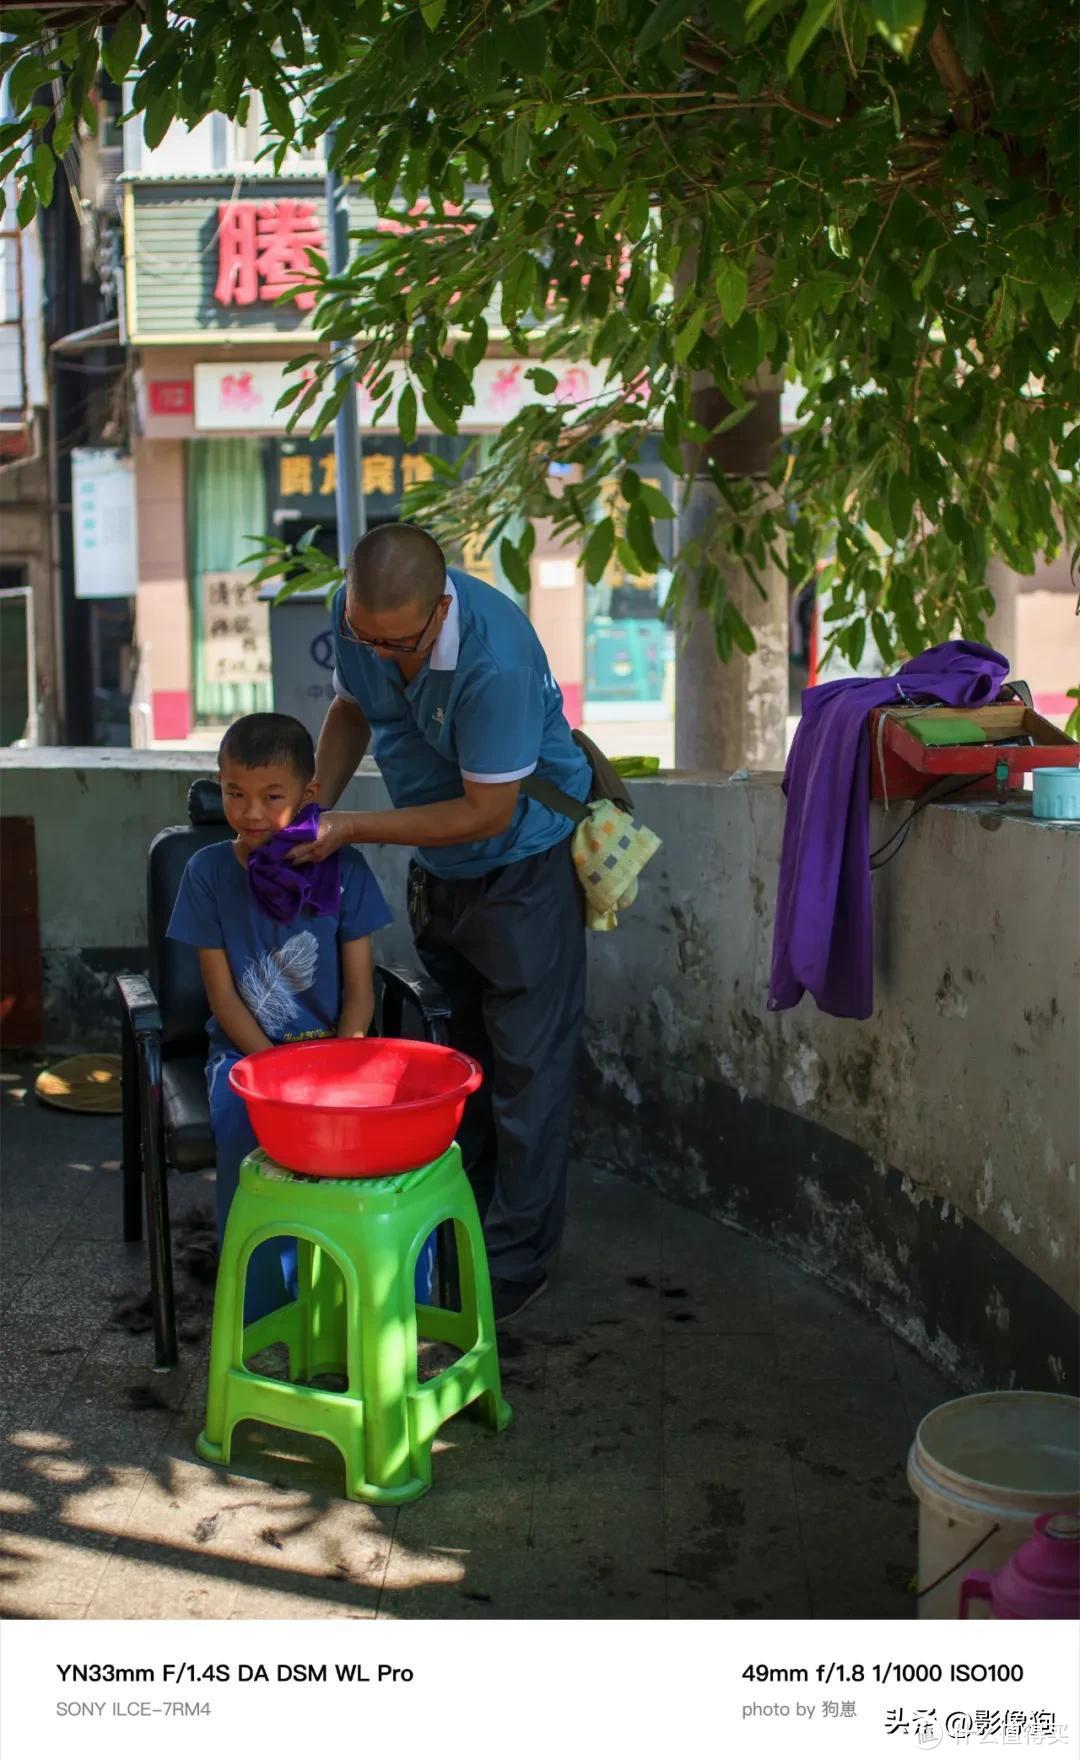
(174, 968)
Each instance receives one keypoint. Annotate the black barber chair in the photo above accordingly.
(166, 1117)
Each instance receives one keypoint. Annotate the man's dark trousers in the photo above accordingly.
(508, 948)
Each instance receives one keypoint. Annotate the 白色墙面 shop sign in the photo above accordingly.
(241, 396)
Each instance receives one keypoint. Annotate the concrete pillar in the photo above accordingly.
(557, 608)
(1002, 629)
(733, 715)
(162, 606)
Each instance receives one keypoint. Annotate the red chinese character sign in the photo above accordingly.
(172, 397)
(263, 251)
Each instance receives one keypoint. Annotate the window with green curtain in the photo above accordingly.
(226, 505)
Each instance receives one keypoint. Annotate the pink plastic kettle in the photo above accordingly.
(1040, 1581)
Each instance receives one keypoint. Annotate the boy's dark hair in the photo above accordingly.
(255, 741)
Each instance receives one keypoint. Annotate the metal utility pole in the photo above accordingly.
(348, 451)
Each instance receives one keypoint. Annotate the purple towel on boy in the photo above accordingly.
(282, 889)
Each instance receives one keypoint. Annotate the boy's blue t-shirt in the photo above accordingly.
(288, 974)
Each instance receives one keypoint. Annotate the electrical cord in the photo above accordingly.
(936, 792)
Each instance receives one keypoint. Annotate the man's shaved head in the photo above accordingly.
(396, 566)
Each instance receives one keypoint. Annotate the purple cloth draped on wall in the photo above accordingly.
(280, 888)
(823, 934)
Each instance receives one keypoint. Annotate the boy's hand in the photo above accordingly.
(335, 831)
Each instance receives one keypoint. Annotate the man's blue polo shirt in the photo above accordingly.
(485, 707)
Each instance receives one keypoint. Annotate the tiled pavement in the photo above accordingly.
(700, 1431)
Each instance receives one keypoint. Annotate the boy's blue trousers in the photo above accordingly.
(272, 1278)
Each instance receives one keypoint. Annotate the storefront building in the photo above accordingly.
(206, 261)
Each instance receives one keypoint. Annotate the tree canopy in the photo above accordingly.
(876, 197)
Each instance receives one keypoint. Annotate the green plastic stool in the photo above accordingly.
(358, 1241)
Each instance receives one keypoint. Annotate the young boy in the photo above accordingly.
(276, 969)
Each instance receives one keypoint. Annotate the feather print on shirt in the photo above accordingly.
(271, 982)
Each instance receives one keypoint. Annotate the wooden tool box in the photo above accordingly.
(902, 766)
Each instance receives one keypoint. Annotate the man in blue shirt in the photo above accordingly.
(448, 679)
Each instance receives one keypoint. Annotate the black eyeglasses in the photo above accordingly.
(348, 634)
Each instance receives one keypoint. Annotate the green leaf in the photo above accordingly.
(597, 553)
(627, 558)
(967, 33)
(289, 395)
(439, 414)
(27, 204)
(476, 347)
(63, 134)
(811, 22)
(901, 503)
(853, 642)
(44, 172)
(899, 22)
(637, 211)
(24, 23)
(878, 520)
(1058, 298)
(432, 11)
(452, 384)
(923, 278)
(25, 79)
(743, 347)
(515, 567)
(640, 533)
(688, 335)
(159, 115)
(279, 112)
(734, 416)
(614, 207)
(330, 408)
(731, 289)
(656, 502)
(738, 628)
(515, 155)
(636, 293)
(760, 19)
(544, 381)
(406, 415)
(118, 53)
(525, 45)
(594, 130)
(664, 18)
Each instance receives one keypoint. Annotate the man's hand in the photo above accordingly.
(483, 810)
(335, 831)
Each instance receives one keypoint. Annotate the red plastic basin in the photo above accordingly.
(354, 1108)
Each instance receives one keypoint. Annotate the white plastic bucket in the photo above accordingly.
(982, 1469)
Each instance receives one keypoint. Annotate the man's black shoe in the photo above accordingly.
(509, 1296)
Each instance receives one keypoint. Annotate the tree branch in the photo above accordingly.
(950, 71)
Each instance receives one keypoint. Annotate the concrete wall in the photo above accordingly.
(925, 1161)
